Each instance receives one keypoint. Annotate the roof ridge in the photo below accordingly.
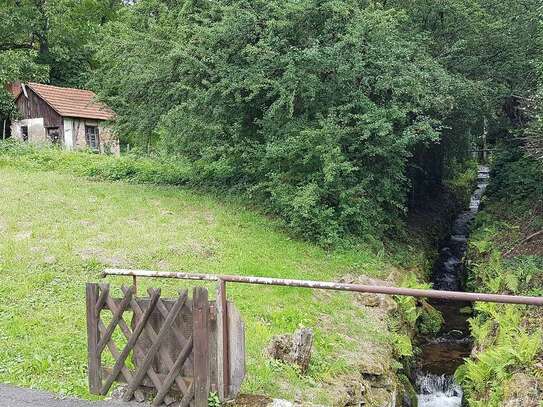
(60, 87)
(72, 102)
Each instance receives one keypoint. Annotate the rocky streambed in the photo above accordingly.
(443, 354)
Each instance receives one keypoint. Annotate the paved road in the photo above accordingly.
(15, 397)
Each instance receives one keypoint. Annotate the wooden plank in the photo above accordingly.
(236, 333)
(120, 359)
(174, 371)
(142, 370)
(153, 336)
(200, 310)
(223, 369)
(94, 360)
(212, 341)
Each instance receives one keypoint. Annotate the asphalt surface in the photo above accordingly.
(16, 397)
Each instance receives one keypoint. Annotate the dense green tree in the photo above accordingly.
(311, 106)
(61, 34)
(49, 41)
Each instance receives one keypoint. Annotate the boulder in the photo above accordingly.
(293, 349)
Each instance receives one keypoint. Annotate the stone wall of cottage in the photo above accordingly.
(36, 130)
(74, 135)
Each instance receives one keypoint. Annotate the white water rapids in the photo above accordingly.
(438, 391)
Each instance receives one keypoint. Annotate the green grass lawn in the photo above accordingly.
(59, 231)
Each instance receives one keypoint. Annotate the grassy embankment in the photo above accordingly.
(58, 230)
(506, 256)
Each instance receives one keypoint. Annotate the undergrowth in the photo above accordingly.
(70, 228)
(506, 365)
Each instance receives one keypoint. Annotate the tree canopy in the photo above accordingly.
(326, 112)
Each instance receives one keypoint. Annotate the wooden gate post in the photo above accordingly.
(200, 317)
(94, 359)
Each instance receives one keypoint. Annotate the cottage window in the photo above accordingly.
(93, 137)
(54, 135)
(24, 133)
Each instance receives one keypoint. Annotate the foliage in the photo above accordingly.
(213, 400)
(461, 178)
(49, 41)
(131, 168)
(413, 316)
(515, 177)
(507, 338)
(69, 229)
(505, 346)
(301, 105)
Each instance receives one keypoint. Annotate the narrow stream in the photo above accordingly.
(442, 355)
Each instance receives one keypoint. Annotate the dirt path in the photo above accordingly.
(16, 397)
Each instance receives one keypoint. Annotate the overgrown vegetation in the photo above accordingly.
(504, 259)
(326, 113)
(70, 228)
(333, 116)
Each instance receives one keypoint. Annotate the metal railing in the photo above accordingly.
(360, 288)
(221, 281)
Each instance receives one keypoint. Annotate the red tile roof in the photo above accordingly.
(71, 102)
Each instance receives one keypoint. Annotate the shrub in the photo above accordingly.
(310, 108)
(158, 170)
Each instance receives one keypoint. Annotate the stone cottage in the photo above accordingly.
(70, 118)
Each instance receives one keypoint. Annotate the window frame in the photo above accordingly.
(93, 131)
(24, 133)
(54, 130)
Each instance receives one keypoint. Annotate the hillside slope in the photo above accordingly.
(58, 231)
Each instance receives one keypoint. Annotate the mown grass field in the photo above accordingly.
(59, 231)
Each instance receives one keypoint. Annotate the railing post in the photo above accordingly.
(200, 317)
(223, 356)
(94, 359)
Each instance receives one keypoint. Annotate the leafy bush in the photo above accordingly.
(507, 337)
(505, 346)
(461, 178)
(416, 315)
(159, 170)
(310, 108)
(515, 177)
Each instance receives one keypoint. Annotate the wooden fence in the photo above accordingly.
(184, 347)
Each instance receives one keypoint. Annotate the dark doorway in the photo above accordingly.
(24, 133)
(54, 135)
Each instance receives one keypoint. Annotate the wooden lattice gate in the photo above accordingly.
(184, 348)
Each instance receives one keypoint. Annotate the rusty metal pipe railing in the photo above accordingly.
(412, 292)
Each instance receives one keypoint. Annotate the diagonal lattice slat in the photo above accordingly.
(165, 357)
(120, 359)
(142, 369)
(127, 332)
(117, 316)
(115, 352)
(162, 340)
(174, 371)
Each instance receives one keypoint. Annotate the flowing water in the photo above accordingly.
(442, 355)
